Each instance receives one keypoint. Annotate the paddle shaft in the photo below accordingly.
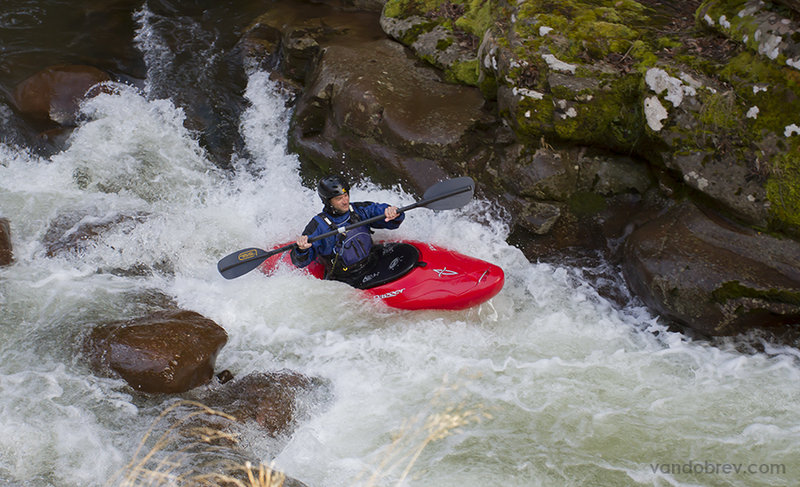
(382, 217)
(358, 224)
(248, 259)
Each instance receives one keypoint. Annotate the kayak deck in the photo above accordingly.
(417, 275)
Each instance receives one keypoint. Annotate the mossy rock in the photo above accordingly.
(442, 32)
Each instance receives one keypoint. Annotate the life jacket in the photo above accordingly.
(352, 248)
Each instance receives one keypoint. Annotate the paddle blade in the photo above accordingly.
(449, 194)
(242, 262)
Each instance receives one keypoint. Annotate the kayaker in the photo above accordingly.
(346, 256)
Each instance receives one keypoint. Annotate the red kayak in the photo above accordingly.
(416, 275)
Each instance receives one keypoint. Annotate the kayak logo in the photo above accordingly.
(390, 294)
(445, 272)
(370, 277)
(247, 254)
(394, 263)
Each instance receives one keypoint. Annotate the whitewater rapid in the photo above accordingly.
(571, 388)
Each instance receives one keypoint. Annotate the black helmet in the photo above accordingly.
(331, 187)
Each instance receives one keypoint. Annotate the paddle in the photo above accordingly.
(447, 195)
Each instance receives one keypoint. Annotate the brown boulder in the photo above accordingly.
(269, 399)
(55, 92)
(6, 255)
(169, 351)
(385, 111)
(712, 275)
(290, 34)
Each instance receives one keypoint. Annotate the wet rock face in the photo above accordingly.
(6, 254)
(54, 93)
(378, 106)
(290, 35)
(268, 399)
(714, 276)
(167, 352)
(74, 232)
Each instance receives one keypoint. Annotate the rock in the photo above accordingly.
(545, 174)
(378, 106)
(758, 25)
(711, 275)
(721, 117)
(611, 174)
(562, 186)
(268, 399)
(6, 254)
(290, 35)
(196, 445)
(74, 232)
(167, 352)
(698, 137)
(539, 217)
(438, 45)
(55, 92)
(792, 4)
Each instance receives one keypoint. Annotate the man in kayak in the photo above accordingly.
(346, 256)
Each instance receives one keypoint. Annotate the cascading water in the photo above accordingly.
(570, 389)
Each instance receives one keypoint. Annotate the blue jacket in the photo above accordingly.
(324, 248)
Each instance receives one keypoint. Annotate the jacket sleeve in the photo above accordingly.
(368, 209)
(302, 258)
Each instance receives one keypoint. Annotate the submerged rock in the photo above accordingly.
(269, 399)
(75, 232)
(167, 352)
(6, 250)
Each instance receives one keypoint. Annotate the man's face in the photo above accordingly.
(341, 203)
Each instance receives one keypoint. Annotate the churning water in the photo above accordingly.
(570, 388)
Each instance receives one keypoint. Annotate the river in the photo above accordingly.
(570, 388)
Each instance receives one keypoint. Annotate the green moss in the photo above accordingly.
(443, 44)
(465, 72)
(478, 18)
(777, 93)
(597, 28)
(488, 86)
(783, 190)
(396, 8)
(666, 42)
(735, 290)
(611, 117)
(721, 111)
(644, 54)
(534, 118)
(410, 36)
(405, 8)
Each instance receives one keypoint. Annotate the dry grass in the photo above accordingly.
(196, 448)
